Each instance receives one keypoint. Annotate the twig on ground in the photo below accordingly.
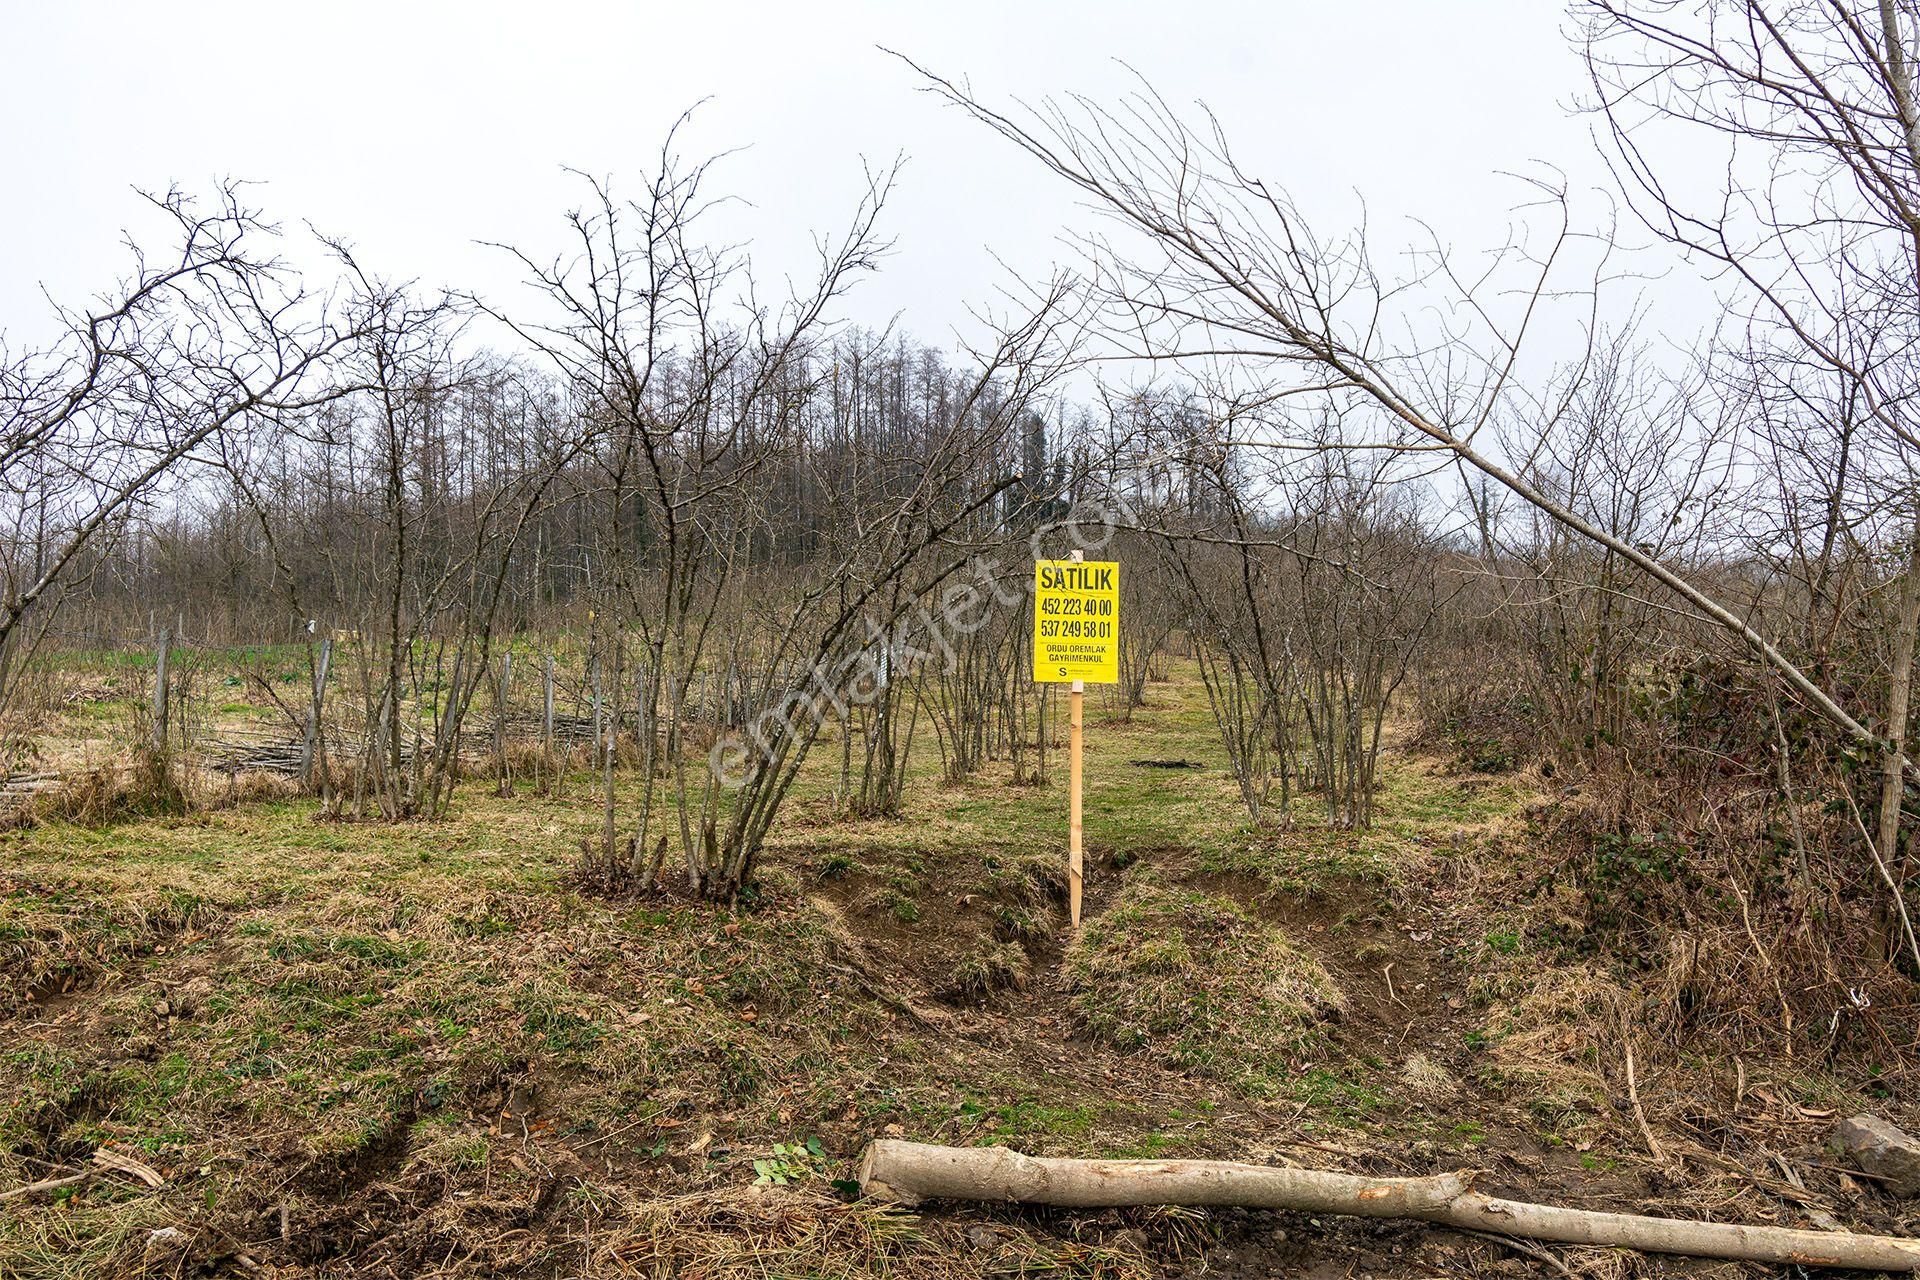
(1533, 1251)
(104, 1159)
(108, 1158)
(1639, 1113)
(47, 1184)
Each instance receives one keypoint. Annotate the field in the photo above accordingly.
(419, 1049)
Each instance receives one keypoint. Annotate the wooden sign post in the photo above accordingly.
(1076, 639)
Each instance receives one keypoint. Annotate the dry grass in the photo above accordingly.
(120, 1236)
(68, 937)
(987, 970)
(764, 1233)
(250, 786)
(1428, 1081)
(1199, 980)
(1548, 1026)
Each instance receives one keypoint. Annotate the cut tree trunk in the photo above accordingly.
(908, 1172)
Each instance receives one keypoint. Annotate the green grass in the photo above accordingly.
(1418, 802)
(1347, 1095)
(1312, 863)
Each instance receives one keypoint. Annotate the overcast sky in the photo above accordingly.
(417, 129)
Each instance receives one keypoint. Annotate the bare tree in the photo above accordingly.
(215, 335)
(1817, 218)
(1228, 268)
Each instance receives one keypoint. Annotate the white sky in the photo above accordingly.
(416, 129)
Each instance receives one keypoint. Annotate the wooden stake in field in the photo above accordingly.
(1076, 724)
(160, 677)
(310, 739)
(1076, 639)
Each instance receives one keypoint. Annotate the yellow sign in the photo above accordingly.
(1076, 621)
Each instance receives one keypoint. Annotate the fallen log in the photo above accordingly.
(908, 1172)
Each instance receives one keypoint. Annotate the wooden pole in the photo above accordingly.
(595, 674)
(1076, 699)
(160, 693)
(505, 778)
(310, 741)
(1074, 865)
(546, 708)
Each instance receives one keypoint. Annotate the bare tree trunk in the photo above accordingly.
(912, 1171)
(503, 775)
(312, 748)
(160, 701)
(1899, 699)
(547, 763)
